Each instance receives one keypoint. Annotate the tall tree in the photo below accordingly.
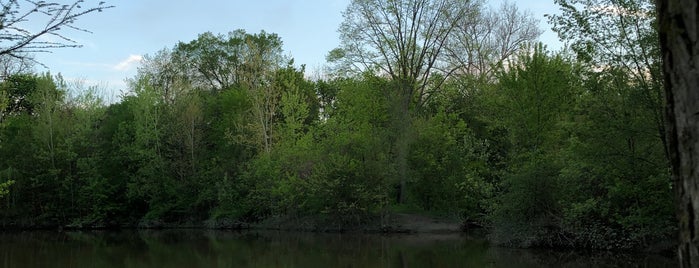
(213, 62)
(405, 40)
(679, 41)
(534, 93)
(185, 132)
(236, 61)
(3, 103)
(490, 38)
(48, 99)
(53, 18)
(263, 58)
(614, 34)
(168, 77)
(150, 182)
(532, 97)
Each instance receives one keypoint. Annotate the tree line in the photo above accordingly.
(430, 106)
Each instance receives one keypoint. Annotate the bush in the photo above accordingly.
(529, 212)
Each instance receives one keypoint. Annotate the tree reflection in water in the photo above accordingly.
(202, 248)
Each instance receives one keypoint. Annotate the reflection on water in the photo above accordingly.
(201, 248)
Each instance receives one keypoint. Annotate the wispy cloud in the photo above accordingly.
(128, 62)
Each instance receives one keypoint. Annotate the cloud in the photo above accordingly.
(128, 62)
(616, 10)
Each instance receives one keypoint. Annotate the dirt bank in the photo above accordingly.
(415, 223)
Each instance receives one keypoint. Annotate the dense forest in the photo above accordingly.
(444, 107)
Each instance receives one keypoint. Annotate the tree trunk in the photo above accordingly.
(403, 124)
(402, 148)
(679, 33)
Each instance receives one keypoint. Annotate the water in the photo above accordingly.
(201, 248)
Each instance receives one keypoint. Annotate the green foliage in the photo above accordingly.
(355, 151)
(4, 101)
(4, 187)
(588, 171)
(336, 170)
(17, 90)
(532, 98)
(548, 151)
(449, 168)
(220, 62)
(619, 172)
(528, 213)
(617, 33)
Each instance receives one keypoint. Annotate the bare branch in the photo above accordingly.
(406, 39)
(18, 41)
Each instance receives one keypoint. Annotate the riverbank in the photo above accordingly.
(388, 223)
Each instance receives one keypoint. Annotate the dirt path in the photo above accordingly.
(414, 223)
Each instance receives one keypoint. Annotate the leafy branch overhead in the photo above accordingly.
(50, 19)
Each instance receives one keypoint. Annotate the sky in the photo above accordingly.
(121, 36)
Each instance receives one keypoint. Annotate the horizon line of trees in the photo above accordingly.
(436, 106)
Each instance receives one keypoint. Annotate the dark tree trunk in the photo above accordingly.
(679, 36)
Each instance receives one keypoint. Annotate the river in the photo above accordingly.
(204, 248)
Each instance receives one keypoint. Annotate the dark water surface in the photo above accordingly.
(201, 248)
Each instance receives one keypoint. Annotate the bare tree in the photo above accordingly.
(15, 65)
(485, 41)
(405, 40)
(262, 60)
(18, 40)
(168, 77)
(679, 42)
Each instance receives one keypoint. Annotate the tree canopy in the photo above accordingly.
(437, 107)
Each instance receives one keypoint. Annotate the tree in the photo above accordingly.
(617, 153)
(53, 17)
(533, 96)
(235, 61)
(11, 65)
(679, 24)
(17, 90)
(346, 178)
(263, 58)
(190, 119)
(405, 40)
(613, 34)
(294, 106)
(213, 62)
(93, 197)
(4, 101)
(18, 42)
(167, 77)
(488, 40)
(48, 99)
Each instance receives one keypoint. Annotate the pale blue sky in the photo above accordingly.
(123, 34)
